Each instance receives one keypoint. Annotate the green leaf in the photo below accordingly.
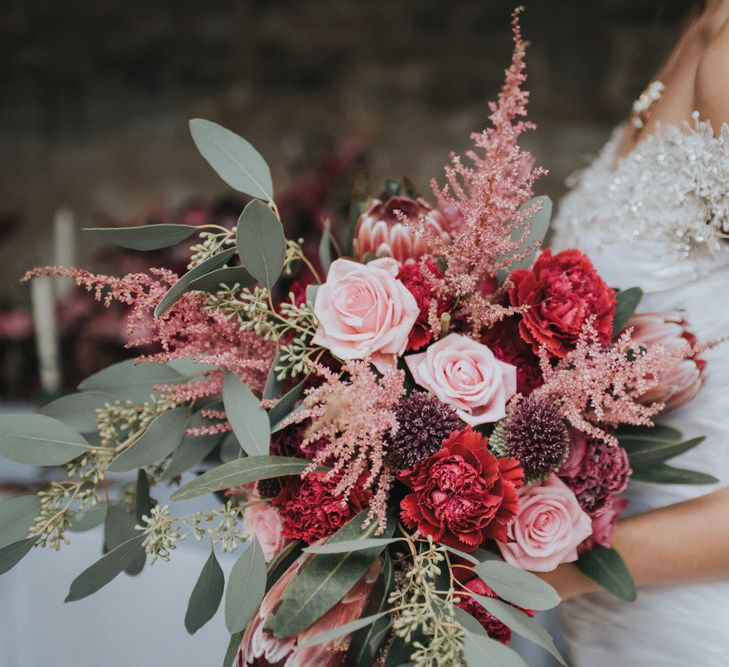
(283, 408)
(517, 586)
(480, 650)
(129, 381)
(664, 474)
(189, 366)
(192, 450)
(241, 471)
(538, 225)
(119, 529)
(235, 160)
(156, 443)
(13, 553)
(325, 248)
(104, 570)
(89, 519)
(273, 384)
(261, 242)
(145, 237)
(246, 587)
(365, 644)
(230, 448)
(16, 518)
(324, 580)
(206, 596)
(78, 410)
(462, 554)
(351, 545)
(282, 561)
(38, 440)
(144, 502)
(231, 652)
(606, 568)
(647, 454)
(633, 436)
(174, 294)
(247, 418)
(228, 275)
(627, 302)
(342, 630)
(520, 623)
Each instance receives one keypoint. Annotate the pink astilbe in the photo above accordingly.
(487, 195)
(187, 329)
(353, 414)
(597, 387)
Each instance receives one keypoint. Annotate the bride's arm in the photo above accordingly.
(681, 543)
(711, 89)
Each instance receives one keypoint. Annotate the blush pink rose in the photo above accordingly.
(263, 521)
(604, 524)
(365, 311)
(549, 526)
(465, 374)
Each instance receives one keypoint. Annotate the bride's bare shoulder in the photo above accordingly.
(712, 80)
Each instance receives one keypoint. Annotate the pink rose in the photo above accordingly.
(465, 374)
(604, 524)
(364, 311)
(548, 528)
(263, 521)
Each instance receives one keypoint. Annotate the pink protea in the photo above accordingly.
(390, 229)
(679, 384)
(260, 648)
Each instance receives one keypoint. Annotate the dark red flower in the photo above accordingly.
(462, 495)
(508, 346)
(310, 510)
(413, 277)
(562, 292)
(493, 626)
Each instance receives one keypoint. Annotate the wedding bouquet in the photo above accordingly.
(394, 433)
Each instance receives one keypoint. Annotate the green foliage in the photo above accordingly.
(261, 242)
(228, 275)
(285, 405)
(145, 237)
(130, 381)
(13, 553)
(78, 411)
(246, 587)
(517, 586)
(205, 597)
(533, 231)
(16, 518)
(627, 302)
(39, 440)
(607, 568)
(247, 418)
(118, 529)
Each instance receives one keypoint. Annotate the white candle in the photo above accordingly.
(46, 333)
(64, 247)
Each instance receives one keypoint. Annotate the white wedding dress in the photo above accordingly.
(658, 219)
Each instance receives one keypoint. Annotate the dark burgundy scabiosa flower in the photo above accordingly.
(424, 422)
(595, 471)
(535, 434)
(310, 510)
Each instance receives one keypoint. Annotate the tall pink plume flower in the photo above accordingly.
(259, 648)
(680, 383)
(487, 195)
(353, 413)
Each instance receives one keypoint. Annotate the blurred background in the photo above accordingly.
(97, 94)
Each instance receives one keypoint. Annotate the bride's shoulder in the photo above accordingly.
(712, 77)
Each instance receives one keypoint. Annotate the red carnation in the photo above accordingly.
(413, 277)
(462, 495)
(504, 341)
(562, 292)
(310, 510)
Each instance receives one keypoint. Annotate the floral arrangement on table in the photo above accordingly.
(442, 409)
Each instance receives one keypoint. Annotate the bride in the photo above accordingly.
(653, 210)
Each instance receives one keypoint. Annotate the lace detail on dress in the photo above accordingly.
(672, 187)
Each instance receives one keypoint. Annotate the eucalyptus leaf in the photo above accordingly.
(285, 405)
(145, 237)
(119, 529)
(206, 595)
(233, 158)
(261, 242)
(520, 623)
(241, 471)
(38, 440)
(607, 568)
(156, 443)
(231, 652)
(462, 554)
(627, 301)
(517, 586)
(647, 454)
(480, 650)
(189, 366)
(191, 451)
(538, 226)
(351, 545)
(78, 410)
(105, 569)
(247, 418)
(662, 473)
(341, 630)
(16, 518)
(228, 275)
(144, 502)
(311, 291)
(174, 294)
(282, 561)
(89, 519)
(246, 587)
(273, 384)
(323, 580)
(13, 553)
(632, 436)
(230, 449)
(130, 381)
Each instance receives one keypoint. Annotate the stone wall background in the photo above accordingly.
(96, 93)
